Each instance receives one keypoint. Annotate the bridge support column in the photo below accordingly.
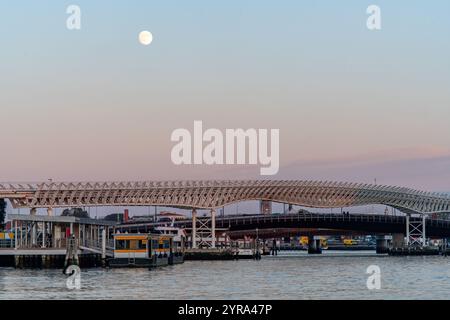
(382, 244)
(15, 235)
(407, 218)
(33, 234)
(213, 228)
(415, 231)
(398, 240)
(424, 238)
(33, 228)
(44, 231)
(203, 233)
(314, 245)
(194, 229)
(407, 229)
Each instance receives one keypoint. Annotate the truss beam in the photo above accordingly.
(212, 194)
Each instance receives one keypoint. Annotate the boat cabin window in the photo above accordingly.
(131, 244)
(165, 244)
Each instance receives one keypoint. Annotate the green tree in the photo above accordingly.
(2, 211)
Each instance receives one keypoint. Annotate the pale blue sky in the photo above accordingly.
(80, 105)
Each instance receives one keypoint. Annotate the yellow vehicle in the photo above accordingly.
(350, 242)
(304, 242)
(6, 235)
(6, 239)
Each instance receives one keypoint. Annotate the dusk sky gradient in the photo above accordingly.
(351, 104)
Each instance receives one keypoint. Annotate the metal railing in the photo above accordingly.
(7, 243)
(244, 220)
(97, 244)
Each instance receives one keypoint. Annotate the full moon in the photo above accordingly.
(145, 38)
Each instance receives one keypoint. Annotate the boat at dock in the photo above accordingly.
(178, 237)
(144, 250)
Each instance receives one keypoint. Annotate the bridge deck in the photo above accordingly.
(369, 223)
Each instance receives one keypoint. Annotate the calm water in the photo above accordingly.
(332, 275)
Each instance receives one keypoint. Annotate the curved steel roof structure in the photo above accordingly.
(217, 193)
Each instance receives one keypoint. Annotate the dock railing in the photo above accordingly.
(7, 243)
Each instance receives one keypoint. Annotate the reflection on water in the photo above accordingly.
(293, 275)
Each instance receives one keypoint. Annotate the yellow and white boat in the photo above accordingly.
(141, 250)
